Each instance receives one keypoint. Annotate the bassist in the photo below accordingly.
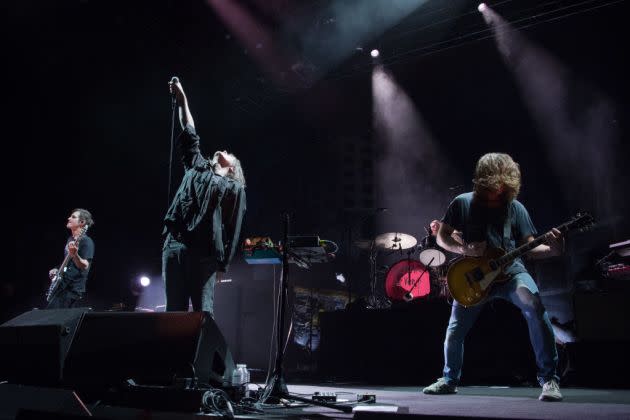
(490, 216)
(71, 281)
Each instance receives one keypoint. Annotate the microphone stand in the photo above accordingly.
(409, 296)
(276, 387)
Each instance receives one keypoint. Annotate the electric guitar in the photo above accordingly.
(470, 279)
(57, 280)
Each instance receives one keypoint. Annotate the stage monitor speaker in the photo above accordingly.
(148, 348)
(34, 345)
(24, 401)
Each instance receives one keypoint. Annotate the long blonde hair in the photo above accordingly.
(496, 170)
(238, 173)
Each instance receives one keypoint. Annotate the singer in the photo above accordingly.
(203, 223)
(491, 215)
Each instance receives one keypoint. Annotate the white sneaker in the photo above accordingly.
(550, 391)
(440, 387)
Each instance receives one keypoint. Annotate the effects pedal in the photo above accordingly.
(366, 398)
(325, 396)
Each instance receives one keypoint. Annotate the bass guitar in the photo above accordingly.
(57, 281)
(470, 279)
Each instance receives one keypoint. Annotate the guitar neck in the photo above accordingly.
(525, 248)
(520, 251)
(64, 263)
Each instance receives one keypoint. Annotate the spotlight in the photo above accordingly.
(482, 7)
(145, 281)
(374, 53)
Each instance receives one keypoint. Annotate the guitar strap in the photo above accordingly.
(507, 229)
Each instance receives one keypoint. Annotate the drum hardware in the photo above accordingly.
(391, 241)
(408, 297)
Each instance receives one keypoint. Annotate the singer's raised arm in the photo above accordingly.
(185, 117)
(188, 140)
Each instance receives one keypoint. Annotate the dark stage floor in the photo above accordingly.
(409, 402)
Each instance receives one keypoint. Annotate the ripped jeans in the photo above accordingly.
(522, 292)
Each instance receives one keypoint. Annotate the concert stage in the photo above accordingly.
(391, 402)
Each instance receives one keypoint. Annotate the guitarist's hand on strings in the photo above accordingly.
(72, 249)
(52, 273)
(474, 249)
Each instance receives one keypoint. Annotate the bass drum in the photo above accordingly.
(406, 280)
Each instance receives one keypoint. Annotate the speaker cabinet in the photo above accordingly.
(34, 345)
(149, 348)
(31, 402)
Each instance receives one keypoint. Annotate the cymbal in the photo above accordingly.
(395, 241)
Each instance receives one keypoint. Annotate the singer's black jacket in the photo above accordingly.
(207, 210)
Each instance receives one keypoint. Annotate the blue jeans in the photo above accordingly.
(189, 275)
(522, 292)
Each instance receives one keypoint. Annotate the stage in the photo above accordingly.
(408, 402)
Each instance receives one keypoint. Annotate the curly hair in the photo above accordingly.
(496, 170)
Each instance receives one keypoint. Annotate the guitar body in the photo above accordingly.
(470, 279)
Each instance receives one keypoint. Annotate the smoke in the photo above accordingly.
(413, 175)
(577, 122)
(335, 31)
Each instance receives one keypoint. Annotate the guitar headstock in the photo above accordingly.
(82, 233)
(581, 221)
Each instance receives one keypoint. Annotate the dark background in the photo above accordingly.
(91, 118)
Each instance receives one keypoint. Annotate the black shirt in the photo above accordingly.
(207, 210)
(74, 277)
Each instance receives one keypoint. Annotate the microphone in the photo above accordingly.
(174, 79)
(408, 297)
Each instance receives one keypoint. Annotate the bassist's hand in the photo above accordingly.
(475, 249)
(52, 273)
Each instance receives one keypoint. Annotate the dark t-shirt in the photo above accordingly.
(207, 209)
(479, 223)
(74, 277)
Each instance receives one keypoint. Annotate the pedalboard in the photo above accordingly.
(366, 398)
(324, 396)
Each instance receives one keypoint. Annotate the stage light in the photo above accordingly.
(340, 277)
(145, 281)
(375, 53)
(482, 7)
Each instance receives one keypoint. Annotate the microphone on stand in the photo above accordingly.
(174, 79)
(408, 297)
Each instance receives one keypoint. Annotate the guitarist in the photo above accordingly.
(72, 282)
(490, 216)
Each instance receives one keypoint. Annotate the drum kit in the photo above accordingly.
(412, 277)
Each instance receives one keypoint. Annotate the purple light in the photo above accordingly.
(145, 281)
(374, 53)
(482, 7)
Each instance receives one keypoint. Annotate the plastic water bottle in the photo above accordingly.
(246, 374)
(239, 375)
